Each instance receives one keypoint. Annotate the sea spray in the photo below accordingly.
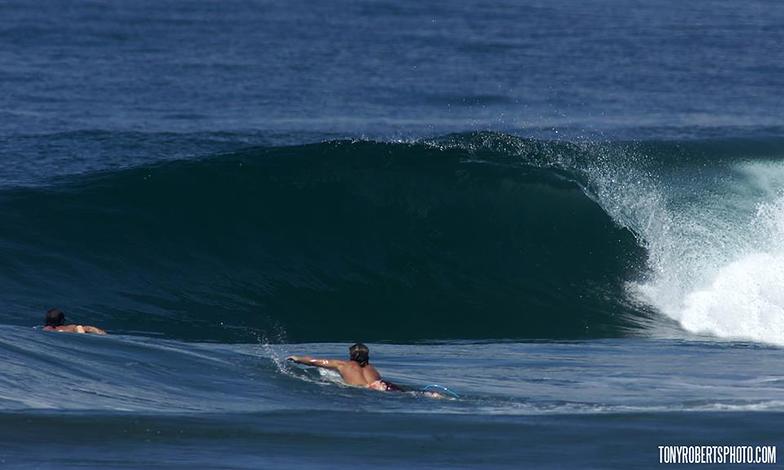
(723, 268)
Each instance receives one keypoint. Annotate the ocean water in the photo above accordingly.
(569, 213)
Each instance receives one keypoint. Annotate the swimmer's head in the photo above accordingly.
(359, 353)
(54, 317)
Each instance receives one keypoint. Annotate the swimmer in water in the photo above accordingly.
(55, 321)
(357, 371)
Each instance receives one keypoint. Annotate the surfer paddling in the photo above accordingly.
(357, 371)
(55, 321)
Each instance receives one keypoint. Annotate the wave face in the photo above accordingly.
(470, 236)
(337, 240)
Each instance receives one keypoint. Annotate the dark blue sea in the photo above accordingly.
(569, 213)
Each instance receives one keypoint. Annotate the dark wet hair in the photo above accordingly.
(359, 353)
(54, 317)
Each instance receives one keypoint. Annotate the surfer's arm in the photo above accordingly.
(94, 330)
(311, 361)
(68, 329)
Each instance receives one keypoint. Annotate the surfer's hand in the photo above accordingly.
(292, 358)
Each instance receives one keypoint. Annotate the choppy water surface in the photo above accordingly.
(158, 398)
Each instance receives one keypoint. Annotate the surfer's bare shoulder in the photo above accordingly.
(76, 329)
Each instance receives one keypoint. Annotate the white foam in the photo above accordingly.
(717, 255)
(745, 301)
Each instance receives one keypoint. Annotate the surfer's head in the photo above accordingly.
(54, 317)
(359, 353)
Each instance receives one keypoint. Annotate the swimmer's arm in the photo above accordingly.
(94, 330)
(324, 363)
(69, 329)
(76, 329)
